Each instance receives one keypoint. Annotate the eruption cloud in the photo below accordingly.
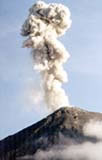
(45, 23)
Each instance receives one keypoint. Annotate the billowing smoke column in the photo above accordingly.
(44, 24)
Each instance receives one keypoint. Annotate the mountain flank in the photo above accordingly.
(62, 127)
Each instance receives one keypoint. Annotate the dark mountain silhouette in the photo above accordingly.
(65, 122)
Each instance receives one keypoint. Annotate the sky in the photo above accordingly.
(18, 81)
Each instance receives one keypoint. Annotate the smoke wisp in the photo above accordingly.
(44, 24)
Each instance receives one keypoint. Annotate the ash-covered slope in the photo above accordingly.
(65, 123)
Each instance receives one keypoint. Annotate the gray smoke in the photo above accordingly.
(44, 24)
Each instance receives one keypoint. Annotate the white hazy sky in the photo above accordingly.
(17, 78)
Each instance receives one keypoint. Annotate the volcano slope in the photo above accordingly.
(62, 128)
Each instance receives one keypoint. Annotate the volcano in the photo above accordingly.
(64, 126)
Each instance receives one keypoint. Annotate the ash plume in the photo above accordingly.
(44, 24)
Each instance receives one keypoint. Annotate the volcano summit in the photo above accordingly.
(66, 134)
